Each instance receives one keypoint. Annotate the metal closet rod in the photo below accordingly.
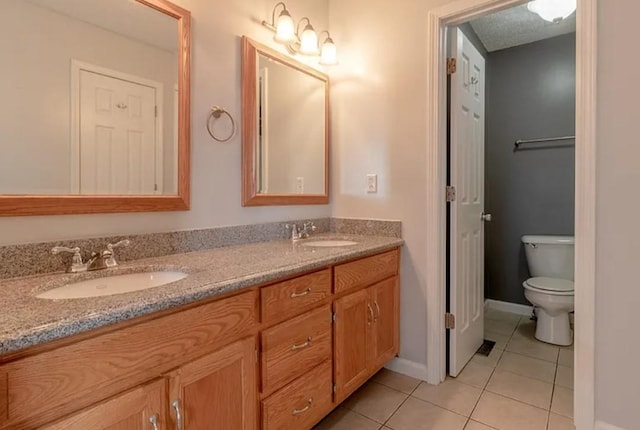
(548, 139)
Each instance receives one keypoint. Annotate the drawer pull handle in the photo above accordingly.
(301, 345)
(303, 410)
(378, 309)
(153, 419)
(176, 406)
(370, 313)
(302, 294)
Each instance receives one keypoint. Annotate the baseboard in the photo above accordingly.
(514, 308)
(604, 426)
(407, 367)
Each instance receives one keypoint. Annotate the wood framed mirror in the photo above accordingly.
(96, 110)
(285, 130)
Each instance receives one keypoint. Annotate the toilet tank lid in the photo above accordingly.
(547, 239)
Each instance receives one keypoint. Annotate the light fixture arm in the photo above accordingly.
(298, 26)
(272, 24)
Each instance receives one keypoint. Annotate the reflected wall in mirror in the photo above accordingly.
(95, 114)
(285, 139)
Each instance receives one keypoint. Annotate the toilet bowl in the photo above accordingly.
(551, 289)
(553, 300)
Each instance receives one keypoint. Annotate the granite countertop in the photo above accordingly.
(27, 320)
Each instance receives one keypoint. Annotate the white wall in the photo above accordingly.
(378, 127)
(35, 126)
(618, 231)
(215, 183)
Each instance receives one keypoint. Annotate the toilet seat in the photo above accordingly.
(553, 286)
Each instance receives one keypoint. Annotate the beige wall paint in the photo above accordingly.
(378, 126)
(215, 166)
(618, 233)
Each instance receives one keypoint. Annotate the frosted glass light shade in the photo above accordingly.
(328, 53)
(309, 41)
(552, 10)
(285, 31)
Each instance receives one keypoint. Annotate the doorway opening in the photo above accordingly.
(456, 14)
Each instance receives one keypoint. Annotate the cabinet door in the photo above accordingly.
(354, 319)
(139, 409)
(217, 391)
(384, 342)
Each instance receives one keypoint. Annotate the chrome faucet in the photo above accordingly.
(303, 232)
(98, 260)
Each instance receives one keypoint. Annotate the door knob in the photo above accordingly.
(486, 217)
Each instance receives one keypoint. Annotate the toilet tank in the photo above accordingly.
(549, 256)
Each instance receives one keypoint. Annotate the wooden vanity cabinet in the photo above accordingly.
(273, 357)
(142, 408)
(217, 391)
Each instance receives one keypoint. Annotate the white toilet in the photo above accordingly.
(550, 290)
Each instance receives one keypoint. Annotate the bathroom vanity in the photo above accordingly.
(275, 344)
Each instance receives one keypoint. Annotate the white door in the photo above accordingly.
(117, 136)
(467, 176)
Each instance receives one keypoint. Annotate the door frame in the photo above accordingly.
(76, 67)
(456, 13)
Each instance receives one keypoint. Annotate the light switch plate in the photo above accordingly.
(372, 183)
(300, 185)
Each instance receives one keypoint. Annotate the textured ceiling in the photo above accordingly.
(518, 26)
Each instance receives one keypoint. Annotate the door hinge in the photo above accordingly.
(451, 193)
(333, 317)
(256, 351)
(451, 66)
(335, 388)
(449, 321)
(155, 187)
(156, 111)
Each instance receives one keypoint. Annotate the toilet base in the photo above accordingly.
(553, 329)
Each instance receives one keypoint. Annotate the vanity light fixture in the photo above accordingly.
(303, 42)
(553, 10)
(328, 51)
(283, 26)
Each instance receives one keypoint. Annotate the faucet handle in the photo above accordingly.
(125, 242)
(295, 235)
(76, 261)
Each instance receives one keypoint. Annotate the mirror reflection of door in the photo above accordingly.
(120, 144)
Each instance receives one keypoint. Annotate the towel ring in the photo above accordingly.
(217, 112)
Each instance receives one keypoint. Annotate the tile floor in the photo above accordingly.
(523, 384)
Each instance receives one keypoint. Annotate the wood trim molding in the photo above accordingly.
(23, 205)
(456, 13)
(250, 194)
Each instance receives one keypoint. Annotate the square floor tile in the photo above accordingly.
(564, 377)
(451, 394)
(375, 401)
(506, 414)
(416, 414)
(474, 425)
(562, 402)
(344, 419)
(533, 348)
(491, 360)
(558, 422)
(526, 329)
(528, 366)
(501, 340)
(522, 388)
(496, 315)
(475, 374)
(566, 357)
(500, 327)
(397, 381)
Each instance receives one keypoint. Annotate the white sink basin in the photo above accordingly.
(329, 243)
(111, 285)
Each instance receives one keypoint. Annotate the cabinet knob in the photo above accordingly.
(371, 314)
(303, 410)
(153, 419)
(176, 406)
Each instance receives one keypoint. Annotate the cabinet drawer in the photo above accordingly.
(292, 297)
(49, 385)
(365, 271)
(300, 404)
(291, 348)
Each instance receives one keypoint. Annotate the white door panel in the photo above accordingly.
(467, 176)
(117, 136)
